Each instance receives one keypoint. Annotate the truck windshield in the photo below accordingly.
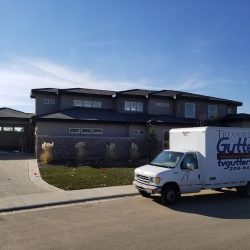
(167, 159)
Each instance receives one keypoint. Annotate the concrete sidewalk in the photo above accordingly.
(55, 196)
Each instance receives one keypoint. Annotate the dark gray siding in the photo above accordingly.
(62, 129)
(42, 108)
(155, 107)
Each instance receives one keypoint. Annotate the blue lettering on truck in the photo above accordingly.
(233, 150)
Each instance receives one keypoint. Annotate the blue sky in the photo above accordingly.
(191, 45)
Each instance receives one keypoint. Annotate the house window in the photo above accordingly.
(97, 104)
(86, 131)
(139, 132)
(97, 131)
(212, 111)
(49, 101)
(8, 129)
(46, 101)
(74, 130)
(87, 104)
(127, 106)
(162, 104)
(19, 129)
(0, 129)
(133, 106)
(229, 111)
(189, 110)
(77, 103)
(52, 101)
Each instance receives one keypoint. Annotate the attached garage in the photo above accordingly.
(16, 130)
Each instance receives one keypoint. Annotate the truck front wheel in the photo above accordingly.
(169, 195)
(244, 191)
(144, 193)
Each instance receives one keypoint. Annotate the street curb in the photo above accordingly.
(57, 203)
(35, 177)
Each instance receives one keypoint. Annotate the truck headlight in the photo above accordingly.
(155, 180)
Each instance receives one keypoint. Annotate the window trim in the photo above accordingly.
(86, 133)
(46, 101)
(133, 106)
(97, 133)
(138, 132)
(162, 104)
(193, 111)
(70, 132)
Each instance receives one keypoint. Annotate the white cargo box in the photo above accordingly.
(224, 153)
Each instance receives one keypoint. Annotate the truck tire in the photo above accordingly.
(244, 191)
(169, 195)
(143, 193)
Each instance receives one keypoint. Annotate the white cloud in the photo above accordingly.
(18, 77)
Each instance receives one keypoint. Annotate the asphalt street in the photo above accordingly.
(203, 221)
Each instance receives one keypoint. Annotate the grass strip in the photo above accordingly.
(86, 177)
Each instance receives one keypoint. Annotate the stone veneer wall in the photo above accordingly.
(64, 147)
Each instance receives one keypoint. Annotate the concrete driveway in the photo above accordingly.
(14, 175)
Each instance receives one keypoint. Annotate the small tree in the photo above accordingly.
(47, 155)
(80, 151)
(110, 151)
(134, 152)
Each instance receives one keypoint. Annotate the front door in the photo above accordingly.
(190, 174)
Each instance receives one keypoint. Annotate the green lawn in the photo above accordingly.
(86, 177)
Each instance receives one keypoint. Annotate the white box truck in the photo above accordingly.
(198, 158)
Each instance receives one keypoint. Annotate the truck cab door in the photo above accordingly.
(190, 174)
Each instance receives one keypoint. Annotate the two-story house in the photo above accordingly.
(100, 117)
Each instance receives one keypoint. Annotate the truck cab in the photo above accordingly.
(178, 171)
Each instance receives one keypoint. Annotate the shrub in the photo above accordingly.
(47, 155)
(134, 152)
(110, 151)
(80, 151)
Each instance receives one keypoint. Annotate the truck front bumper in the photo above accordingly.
(147, 188)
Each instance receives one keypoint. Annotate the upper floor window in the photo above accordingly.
(133, 106)
(77, 103)
(87, 104)
(229, 111)
(139, 132)
(49, 101)
(162, 104)
(211, 111)
(189, 110)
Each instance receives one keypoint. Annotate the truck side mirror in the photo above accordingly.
(190, 166)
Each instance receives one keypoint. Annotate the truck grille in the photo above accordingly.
(142, 178)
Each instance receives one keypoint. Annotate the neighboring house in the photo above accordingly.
(99, 117)
(16, 131)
